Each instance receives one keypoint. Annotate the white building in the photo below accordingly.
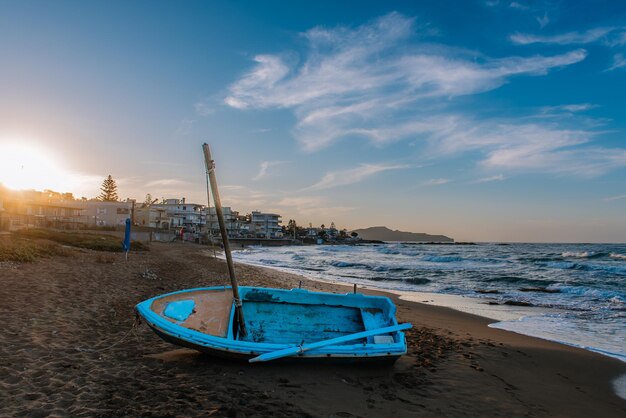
(99, 213)
(266, 225)
(181, 214)
(153, 217)
(234, 226)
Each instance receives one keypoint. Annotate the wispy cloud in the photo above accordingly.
(353, 175)
(541, 10)
(543, 20)
(166, 182)
(342, 87)
(613, 198)
(312, 206)
(572, 108)
(498, 177)
(203, 108)
(519, 6)
(435, 182)
(609, 35)
(378, 83)
(264, 166)
(619, 61)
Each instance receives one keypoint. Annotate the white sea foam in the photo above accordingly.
(566, 329)
(619, 385)
(582, 254)
(618, 256)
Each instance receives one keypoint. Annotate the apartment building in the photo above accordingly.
(265, 225)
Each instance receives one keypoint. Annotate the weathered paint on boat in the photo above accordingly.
(276, 319)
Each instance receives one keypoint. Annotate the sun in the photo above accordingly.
(27, 166)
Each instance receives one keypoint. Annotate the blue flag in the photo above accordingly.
(126, 243)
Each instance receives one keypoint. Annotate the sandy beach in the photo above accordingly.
(70, 347)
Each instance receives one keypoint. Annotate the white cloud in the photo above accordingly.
(166, 182)
(610, 35)
(613, 198)
(264, 166)
(378, 83)
(435, 182)
(572, 108)
(543, 20)
(519, 6)
(352, 175)
(498, 177)
(359, 81)
(619, 61)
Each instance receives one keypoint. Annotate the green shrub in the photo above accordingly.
(25, 251)
(91, 241)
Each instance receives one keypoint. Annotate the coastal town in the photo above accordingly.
(153, 219)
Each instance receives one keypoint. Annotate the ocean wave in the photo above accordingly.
(388, 250)
(582, 254)
(416, 280)
(618, 256)
(347, 264)
(566, 265)
(270, 262)
(519, 281)
(442, 258)
(598, 294)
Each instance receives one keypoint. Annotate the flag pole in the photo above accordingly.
(210, 168)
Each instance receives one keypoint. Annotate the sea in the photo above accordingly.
(572, 293)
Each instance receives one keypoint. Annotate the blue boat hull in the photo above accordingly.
(204, 319)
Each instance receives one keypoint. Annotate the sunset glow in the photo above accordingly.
(28, 166)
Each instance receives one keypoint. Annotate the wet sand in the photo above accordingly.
(68, 348)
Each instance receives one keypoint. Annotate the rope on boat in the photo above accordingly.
(132, 329)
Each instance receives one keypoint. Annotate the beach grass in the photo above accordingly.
(87, 240)
(24, 250)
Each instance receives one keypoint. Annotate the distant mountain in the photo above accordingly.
(382, 233)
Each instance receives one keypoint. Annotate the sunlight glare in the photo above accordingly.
(27, 166)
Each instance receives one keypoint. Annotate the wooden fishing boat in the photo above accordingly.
(279, 323)
(263, 324)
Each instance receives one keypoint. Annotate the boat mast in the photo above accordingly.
(210, 168)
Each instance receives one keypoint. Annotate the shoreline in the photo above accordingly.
(492, 314)
(480, 324)
(499, 313)
(87, 358)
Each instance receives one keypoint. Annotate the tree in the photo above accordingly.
(149, 200)
(109, 190)
(354, 234)
(292, 227)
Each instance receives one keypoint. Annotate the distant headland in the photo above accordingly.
(382, 233)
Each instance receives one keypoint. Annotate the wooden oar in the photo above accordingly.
(291, 351)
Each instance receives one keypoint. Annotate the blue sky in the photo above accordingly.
(485, 120)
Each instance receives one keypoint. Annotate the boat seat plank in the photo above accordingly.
(211, 312)
(374, 318)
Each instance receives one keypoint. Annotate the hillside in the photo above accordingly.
(383, 233)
